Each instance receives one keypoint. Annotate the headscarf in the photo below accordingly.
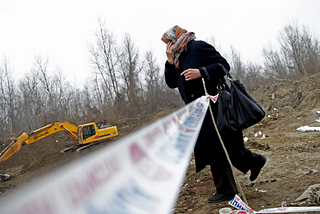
(180, 38)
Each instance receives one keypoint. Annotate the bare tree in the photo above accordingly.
(236, 64)
(291, 42)
(300, 46)
(254, 75)
(60, 90)
(33, 107)
(299, 54)
(152, 72)
(9, 99)
(130, 70)
(41, 68)
(312, 63)
(104, 59)
(153, 93)
(274, 64)
(90, 109)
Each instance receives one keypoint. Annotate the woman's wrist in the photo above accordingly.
(170, 62)
(169, 66)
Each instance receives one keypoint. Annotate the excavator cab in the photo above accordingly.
(88, 131)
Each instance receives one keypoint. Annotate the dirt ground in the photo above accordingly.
(293, 157)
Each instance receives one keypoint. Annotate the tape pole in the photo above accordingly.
(141, 173)
(224, 148)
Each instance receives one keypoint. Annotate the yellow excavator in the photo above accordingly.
(85, 135)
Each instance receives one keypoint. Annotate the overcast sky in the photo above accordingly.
(62, 29)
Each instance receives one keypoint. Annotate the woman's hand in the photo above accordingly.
(191, 74)
(169, 52)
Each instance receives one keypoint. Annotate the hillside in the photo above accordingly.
(293, 157)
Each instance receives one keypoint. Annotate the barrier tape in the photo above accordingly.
(245, 209)
(138, 174)
(141, 173)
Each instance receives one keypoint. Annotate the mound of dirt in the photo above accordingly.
(293, 157)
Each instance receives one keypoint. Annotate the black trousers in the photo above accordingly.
(222, 173)
(223, 178)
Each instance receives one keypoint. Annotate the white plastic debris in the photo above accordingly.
(256, 134)
(260, 190)
(310, 196)
(318, 112)
(245, 139)
(308, 129)
(260, 133)
(225, 210)
(263, 136)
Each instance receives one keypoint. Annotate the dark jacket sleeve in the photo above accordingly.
(212, 70)
(171, 74)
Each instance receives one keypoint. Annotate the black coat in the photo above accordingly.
(201, 55)
(204, 56)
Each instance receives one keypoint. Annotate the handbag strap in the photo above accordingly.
(226, 71)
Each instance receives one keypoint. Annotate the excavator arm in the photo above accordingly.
(28, 138)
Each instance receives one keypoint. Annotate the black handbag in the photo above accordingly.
(237, 110)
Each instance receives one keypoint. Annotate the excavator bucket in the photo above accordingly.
(12, 148)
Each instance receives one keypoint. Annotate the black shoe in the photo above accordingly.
(219, 197)
(257, 166)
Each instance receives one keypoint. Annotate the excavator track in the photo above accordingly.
(79, 147)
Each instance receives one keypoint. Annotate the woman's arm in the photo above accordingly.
(170, 72)
(171, 75)
(212, 70)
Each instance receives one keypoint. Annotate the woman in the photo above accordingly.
(188, 61)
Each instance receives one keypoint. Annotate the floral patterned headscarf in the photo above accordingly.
(180, 38)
